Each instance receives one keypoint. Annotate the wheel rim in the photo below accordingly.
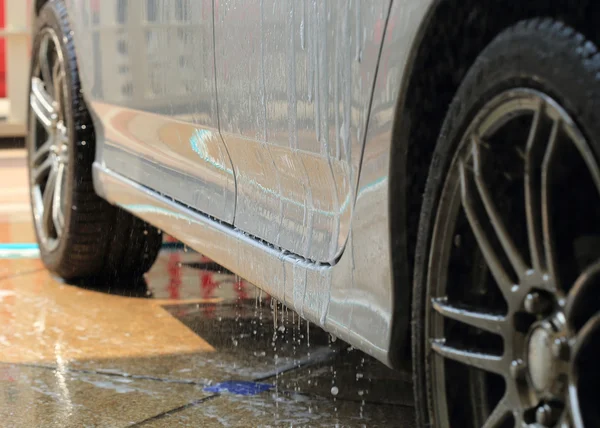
(49, 149)
(518, 325)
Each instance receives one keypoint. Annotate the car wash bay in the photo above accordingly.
(192, 345)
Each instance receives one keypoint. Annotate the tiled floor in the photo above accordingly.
(190, 347)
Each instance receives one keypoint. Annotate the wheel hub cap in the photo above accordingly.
(541, 361)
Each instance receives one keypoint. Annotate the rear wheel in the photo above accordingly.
(80, 235)
(507, 272)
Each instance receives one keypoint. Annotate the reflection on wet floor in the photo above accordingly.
(192, 345)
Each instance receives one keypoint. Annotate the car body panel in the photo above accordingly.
(294, 80)
(353, 297)
(148, 68)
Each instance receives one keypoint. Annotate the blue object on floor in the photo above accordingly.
(19, 246)
(239, 387)
(27, 250)
(19, 251)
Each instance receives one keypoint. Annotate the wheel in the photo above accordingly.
(79, 234)
(506, 308)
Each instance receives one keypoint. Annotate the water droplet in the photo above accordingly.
(334, 390)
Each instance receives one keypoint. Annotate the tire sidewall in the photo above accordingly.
(540, 54)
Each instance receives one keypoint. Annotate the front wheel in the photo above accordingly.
(507, 273)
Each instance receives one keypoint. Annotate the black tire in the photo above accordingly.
(99, 240)
(540, 54)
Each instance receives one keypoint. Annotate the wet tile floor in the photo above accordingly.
(191, 346)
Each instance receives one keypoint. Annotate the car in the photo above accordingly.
(419, 178)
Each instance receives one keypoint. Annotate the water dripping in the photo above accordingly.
(260, 314)
(238, 303)
(334, 388)
(294, 338)
(276, 357)
(274, 312)
(361, 392)
(283, 312)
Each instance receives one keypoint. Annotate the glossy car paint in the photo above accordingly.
(148, 70)
(294, 80)
(352, 295)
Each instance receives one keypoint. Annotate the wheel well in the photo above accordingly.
(455, 33)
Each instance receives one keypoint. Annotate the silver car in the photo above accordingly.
(420, 178)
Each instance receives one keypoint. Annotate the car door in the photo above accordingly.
(294, 79)
(148, 66)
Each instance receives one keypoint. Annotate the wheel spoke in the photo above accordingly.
(42, 104)
(57, 214)
(62, 139)
(42, 152)
(487, 322)
(474, 216)
(581, 305)
(40, 171)
(48, 200)
(542, 137)
(590, 331)
(43, 61)
(486, 362)
(499, 415)
(504, 237)
(549, 160)
(57, 79)
(576, 420)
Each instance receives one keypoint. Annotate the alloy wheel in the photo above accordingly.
(514, 272)
(49, 148)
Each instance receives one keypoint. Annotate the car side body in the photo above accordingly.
(278, 172)
(383, 168)
(288, 141)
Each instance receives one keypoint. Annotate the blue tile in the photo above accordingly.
(239, 387)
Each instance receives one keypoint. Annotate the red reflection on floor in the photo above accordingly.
(174, 269)
(209, 280)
